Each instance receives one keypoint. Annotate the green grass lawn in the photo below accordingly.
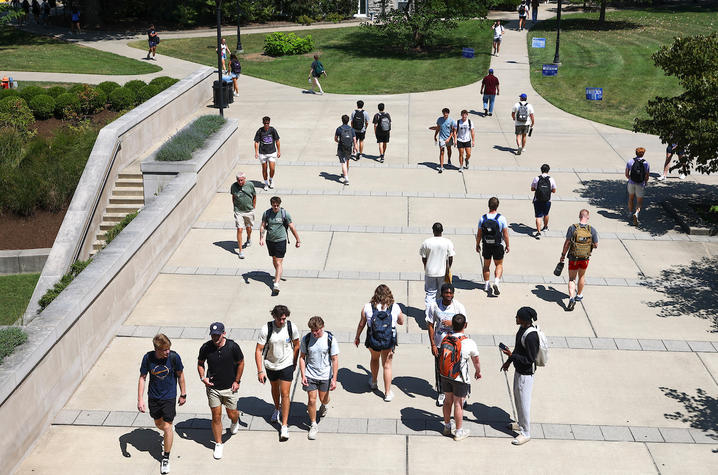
(21, 51)
(355, 60)
(15, 293)
(616, 58)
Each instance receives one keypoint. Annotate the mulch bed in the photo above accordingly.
(37, 231)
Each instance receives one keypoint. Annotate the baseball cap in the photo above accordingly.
(217, 328)
(522, 96)
(491, 71)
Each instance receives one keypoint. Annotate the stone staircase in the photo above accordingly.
(127, 197)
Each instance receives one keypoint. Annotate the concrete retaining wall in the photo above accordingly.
(65, 342)
(23, 261)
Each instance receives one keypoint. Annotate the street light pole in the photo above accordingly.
(556, 59)
(219, 57)
(239, 48)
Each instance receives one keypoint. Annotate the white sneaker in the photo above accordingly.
(313, 431)
(440, 399)
(218, 450)
(165, 466)
(449, 428)
(275, 416)
(342, 179)
(234, 428)
(266, 186)
(520, 440)
(461, 434)
(241, 254)
(271, 183)
(372, 383)
(524, 148)
(661, 178)
(389, 396)
(681, 176)
(284, 433)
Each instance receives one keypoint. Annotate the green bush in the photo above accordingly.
(66, 105)
(8, 93)
(117, 228)
(108, 86)
(31, 91)
(51, 294)
(42, 106)
(163, 82)
(305, 20)
(10, 338)
(334, 17)
(55, 91)
(91, 100)
(121, 99)
(15, 113)
(76, 88)
(282, 44)
(186, 141)
(146, 93)
(11, 149)
(135, 85)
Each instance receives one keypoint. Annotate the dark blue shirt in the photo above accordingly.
(163, 375)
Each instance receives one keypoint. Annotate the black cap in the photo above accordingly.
(217, 328)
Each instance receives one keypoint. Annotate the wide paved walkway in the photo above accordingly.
(631, 382)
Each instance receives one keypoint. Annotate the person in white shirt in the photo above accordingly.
(465, 138)
(498, 34)
(439, 325)
(521, 112)
(437, 254)
(277, 352)
(381, 316)
(458, 387)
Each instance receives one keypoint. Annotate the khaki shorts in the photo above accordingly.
(636, 189)
(244, 220)
(222, 397)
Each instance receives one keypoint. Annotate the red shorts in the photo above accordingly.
(575, 265)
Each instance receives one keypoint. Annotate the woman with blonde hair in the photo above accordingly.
(380, 315)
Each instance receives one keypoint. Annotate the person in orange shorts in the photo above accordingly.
(581, 240)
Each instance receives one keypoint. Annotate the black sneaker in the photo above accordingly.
(571, 305)
(441, 170)
(381, 159)
(449, 163)
(486, 111)
(537, 235)
(497, 291)
(490, 114)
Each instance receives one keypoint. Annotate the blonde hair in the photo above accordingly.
(161, 342)
(315, 323)
(383, 296)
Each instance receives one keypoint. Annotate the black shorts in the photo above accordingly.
(360, 135)
(541, 208)
(492, 251)
(463, 144)
(284, 374)
(164, 409)
(277, 248)
(382, 137)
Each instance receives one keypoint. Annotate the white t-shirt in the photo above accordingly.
(436, 250)
(463, 130)
(535, 182)
(368, 313)
(319, 364)
(280, 353)
(438, 312)
(498, 31)
(468, 350)
(515, 109)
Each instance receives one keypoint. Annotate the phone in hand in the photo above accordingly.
(503, 347)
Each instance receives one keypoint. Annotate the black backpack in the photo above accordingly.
(543, 189)
(522, 9)
(330, 337)
(285, 221)
(358, 120)
(346, 139)
(490, 230)
(380, 333)
(638, 170)
(270, 329)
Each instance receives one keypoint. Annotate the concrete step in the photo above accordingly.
(107, 225)
(124, 209)
(127, 183)
(97, 245)
(113, 217)
(127, 200)
(129, 175)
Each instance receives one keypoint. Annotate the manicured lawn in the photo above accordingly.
(15, 293)
(21, 51)
(355, 60)
(616, 58)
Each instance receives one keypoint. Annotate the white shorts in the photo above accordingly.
(636, 189)
(271, 157)
(244, 219)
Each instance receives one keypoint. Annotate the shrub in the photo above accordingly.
(10, 338)
(15, 113)
(189, 139)
(208, 124)
(304, 20)
(334, 17)
(11, 149)
(55, 91)
(108, 86)
(163, 82)
(121, 99)
(135, 85)
(76, 88)
(91, 100)
(51, 294)
(31, 91)
(42, 106)
(8, 93)
(66, 105)
(146, 93)
(117, 228)
(281, 44)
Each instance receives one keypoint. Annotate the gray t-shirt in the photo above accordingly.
(318, 361)
(366, 119)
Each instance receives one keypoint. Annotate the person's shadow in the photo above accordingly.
(353, 381)
(413, 387)
(199, 431)
(417, 314)
(330, 176)
(143, 440)
(434, 166)
(505, 149)
(229, 246)
(549, 293)
(419, 419)
(520, 228)
(259, 276)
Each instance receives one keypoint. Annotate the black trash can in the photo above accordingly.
(226, 90)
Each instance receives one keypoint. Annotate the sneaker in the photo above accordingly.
(313, 431)
(218, 450)
(247, 244)
(389, 396)
(236, 94)
(520, 440)
(165, 466)
(681, 176)
(525, 148)
(635, 219)
(440, 400)
(571, 305)
(266, 186)
(461, 169)
(486, 111)
(346, 182)
(441, 169)
(491, 113)
(342, 179)
(461, 434)
(518, 152)
(497, 291)
(322, 411)
(275, 289)
(661, 178)
(372, 384)
(284, 433)
(578, 298)
(449, 161)
(271, 183)
(450, 428)
(234, 428)
(487, 287)
(275, 416)
(537, 234)
(241, 254)
(545, 228)
(514, 426)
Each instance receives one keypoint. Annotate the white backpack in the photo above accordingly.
(542, 356)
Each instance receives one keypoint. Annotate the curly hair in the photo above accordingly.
(383, 296)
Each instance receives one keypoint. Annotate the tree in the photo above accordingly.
(8, 13)
(420, 21)
(690, 119)
(602, 15)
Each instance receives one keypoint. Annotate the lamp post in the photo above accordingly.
(219, 57)
(239, 48)
(556, 59)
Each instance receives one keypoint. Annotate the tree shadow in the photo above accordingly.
(354, 382)
(521, 228)
(143, 440)
(259, 276)
(701, 410)
(689, 289)
(584, 24)
(550, 294)
(330, 176)
(417, 314)
(229, 246)
(413, 386)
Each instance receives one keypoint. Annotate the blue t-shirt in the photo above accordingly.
(163, 375)
(445, 127)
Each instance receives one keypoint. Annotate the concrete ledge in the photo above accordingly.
(23, 261)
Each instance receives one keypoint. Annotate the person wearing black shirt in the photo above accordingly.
(523, 358)
(225, 364)
(267, 150)
(152, 42)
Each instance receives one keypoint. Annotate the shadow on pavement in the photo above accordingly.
(260, 276)
(229, 246)
(143, 440)
(701, 410)
(521, 228)
(464, 284)
(200, 431)
(354, 382)
(434, 166)
(416, 313)
(419, 419)
(330, 176)
(549, 293)
(491, 415)
(413, 386)
(505, 149)
(256, 407)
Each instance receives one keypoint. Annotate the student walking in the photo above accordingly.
(674, 149)
(318, 365)
(523, 358)
(523, 14)
(581, 240)
(315, 72)
(235, 70)
(489, 89)
(521, 112)
(166, 371)
(225, 52)
(360, 121)
(445, 130)
(542, 186)
(492, 241)
(637, 171)
(267, 150)
(454, 355)
(437, 254)
(498, 35)
(276, 358)
(275, 222)
(465, 139)
(534, 10)
(152, 41)
(382, 130)
(74, 18)
(346, 140)
(380, 315)
(244, 201)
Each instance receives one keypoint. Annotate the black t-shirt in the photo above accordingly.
(377, 120)
(524, 358)
(221, 362)
(266, 140)
(151, 34)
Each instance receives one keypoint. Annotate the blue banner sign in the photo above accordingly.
(467, 52)
(538, 42)
(549, 69)
(594, 93)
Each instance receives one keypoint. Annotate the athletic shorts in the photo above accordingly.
(463, 144)
(164, 409)
(541, 208)
(446, 143)
(321, 385)
(343, 154)
(244, 220)
(222, 397)
(522, 129)
(277, 248)
(574, 265)
(360, 135)
(492, 251)
(457, 388)
(636, 189)
(497, 40)
(382, 137)
(268, 157)
(284, 374)
(678, 151)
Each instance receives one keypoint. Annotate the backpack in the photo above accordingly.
(285, 221)
(450, 356)
(380, 333)
(346, 139)
(330, 337)
(542, 355)
(270, 329)
(638, 170)
(581, 242)
(490, 230)
(384, 122)
(236, 67)
(522, 114)
(522, 9)
(358, 120)
(318, 68)
(543, 189)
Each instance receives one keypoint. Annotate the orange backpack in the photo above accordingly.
(450, 356)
